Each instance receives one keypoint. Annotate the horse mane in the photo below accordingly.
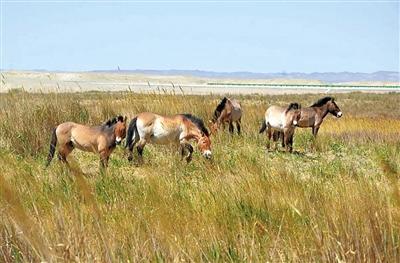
(293, 106)
(198, 122)
(219, 108)
(113, 121)
(322, 102)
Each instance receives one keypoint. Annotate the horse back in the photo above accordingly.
(83, 137)
(159, 128)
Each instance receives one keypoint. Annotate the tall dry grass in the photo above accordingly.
(335, 199)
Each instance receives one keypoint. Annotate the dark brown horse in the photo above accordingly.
(98, 139)
(314, 115)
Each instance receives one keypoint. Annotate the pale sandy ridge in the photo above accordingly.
(32, 81)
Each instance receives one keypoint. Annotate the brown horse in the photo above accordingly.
(283, 120)
(179, 129)
(227, 111)
(314, 115)
(98, 139)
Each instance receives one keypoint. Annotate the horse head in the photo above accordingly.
(334, 109)
(293, 111)
(204, 144)
(120, 129)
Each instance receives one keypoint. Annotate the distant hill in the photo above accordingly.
(328, 77)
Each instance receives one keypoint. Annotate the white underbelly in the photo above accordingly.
(161, 135)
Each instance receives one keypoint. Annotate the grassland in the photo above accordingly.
(335, 199)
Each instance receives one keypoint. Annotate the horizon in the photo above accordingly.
(323, 37)
(191, 70)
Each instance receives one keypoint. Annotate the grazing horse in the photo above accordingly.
(283, 120)
(228, 110)
(149, 127)
(97, 139)
(314, 115)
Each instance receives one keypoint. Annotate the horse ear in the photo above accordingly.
(120, 118)
(125, 119)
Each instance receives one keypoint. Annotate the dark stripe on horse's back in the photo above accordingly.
(197, 121)
(322, 101)
(219, 108)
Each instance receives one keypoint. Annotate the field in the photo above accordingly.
(334, 199)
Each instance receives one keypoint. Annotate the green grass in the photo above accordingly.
(335, 199)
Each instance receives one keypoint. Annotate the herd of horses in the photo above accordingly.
(279, 124)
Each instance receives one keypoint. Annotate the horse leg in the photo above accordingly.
(231, 129)
(269, 136)
(64, 151)
(291, 142)
(238, 126)
(130, 156)
(315, 130)
(282, 138)
(104, 157)
(186, 146)
(140, 148)
(288, 137)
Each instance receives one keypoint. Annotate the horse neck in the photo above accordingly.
(194, 133)
(109, 130)
(322, 110)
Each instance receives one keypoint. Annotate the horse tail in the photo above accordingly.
(263, 126)
(53, 144)
(132, 132)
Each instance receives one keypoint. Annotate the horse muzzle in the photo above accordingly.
(118, 140)
(339, 114)
(295, 123)
(207, 154)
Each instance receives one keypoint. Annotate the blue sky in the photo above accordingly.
(257, 37)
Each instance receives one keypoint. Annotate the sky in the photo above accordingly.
(293, 36)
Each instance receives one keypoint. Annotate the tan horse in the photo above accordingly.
(178, 129)
(98, 139)
(284, 120)
(227, 111)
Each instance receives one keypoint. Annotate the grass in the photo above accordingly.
(335, 199)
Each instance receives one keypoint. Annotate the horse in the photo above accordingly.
(284, 120)
(314, 115)
(179, 129)
(97, 139)
(227, 111)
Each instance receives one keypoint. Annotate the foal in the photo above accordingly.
(227, 111)
(179, 129)
(282, 120)
(98, 139)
